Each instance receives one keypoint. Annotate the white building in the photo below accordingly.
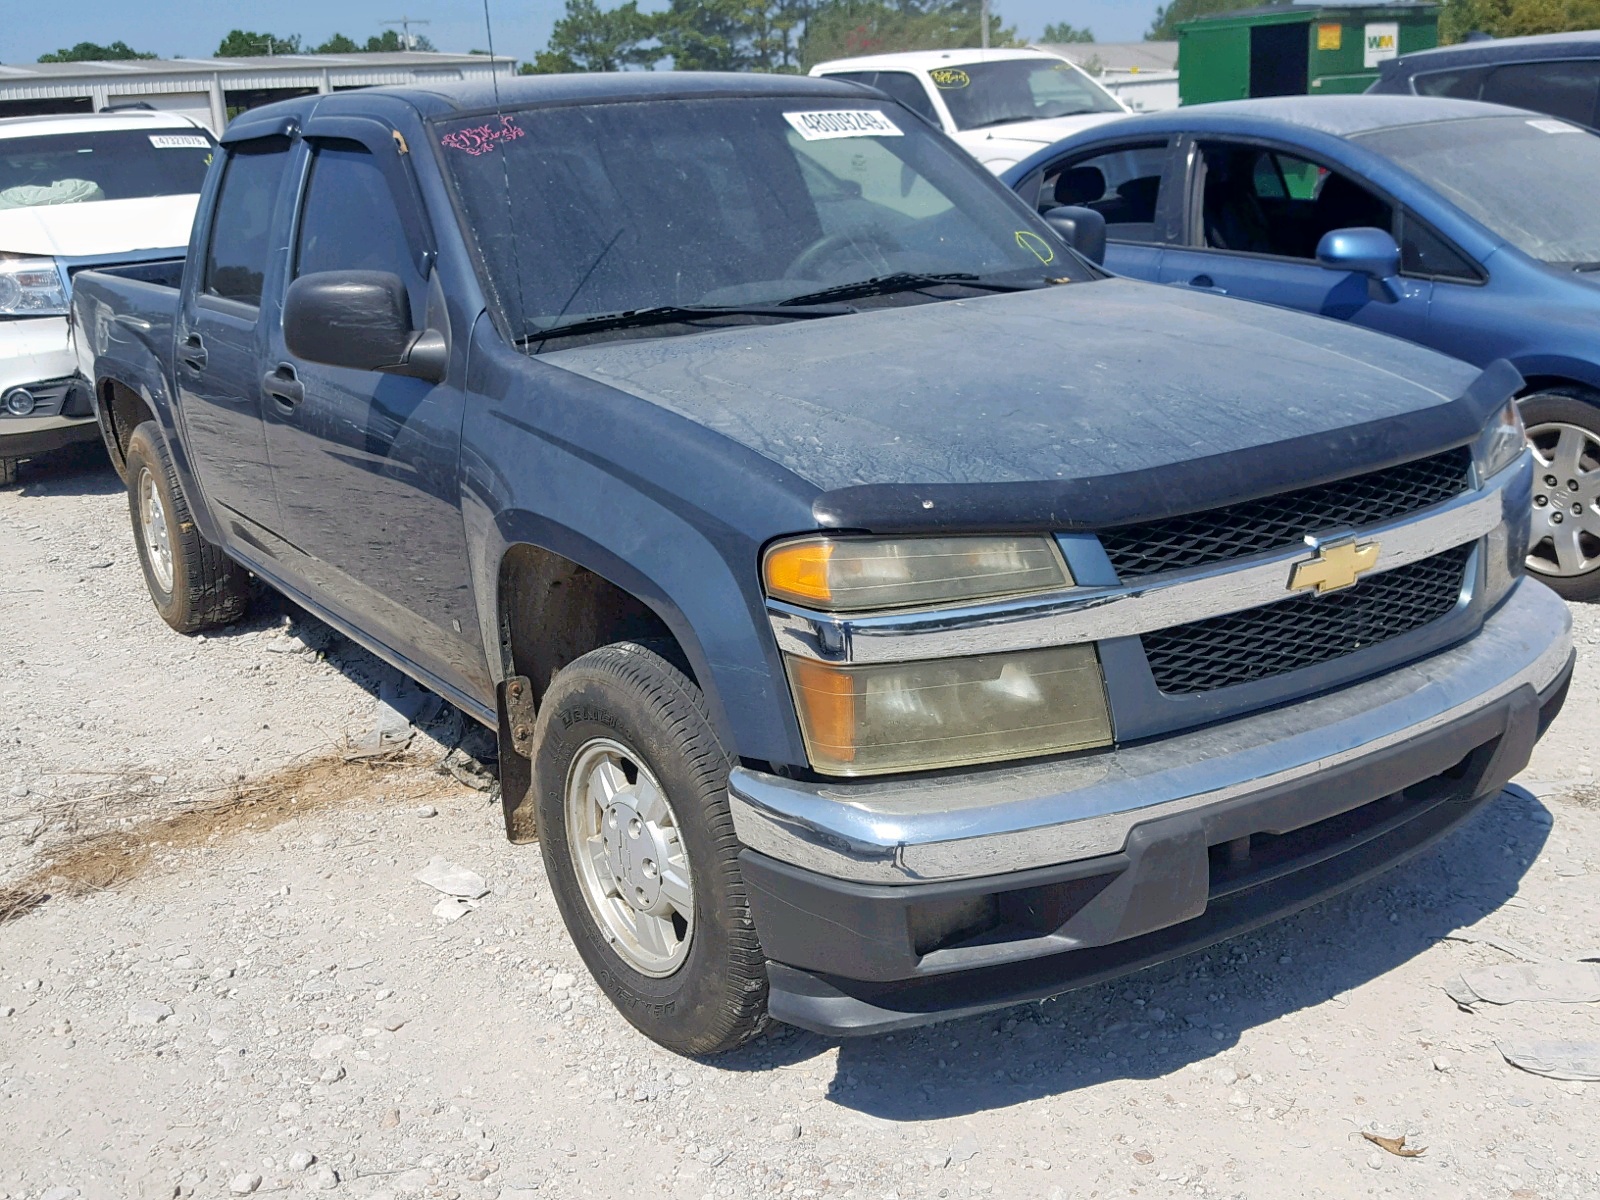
(212, 90)
(1143, 75)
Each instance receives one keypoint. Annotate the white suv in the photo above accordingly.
(79, 191)
(1001, 105)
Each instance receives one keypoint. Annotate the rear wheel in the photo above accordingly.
(194, 584)
(1564, 551)
(631, 785)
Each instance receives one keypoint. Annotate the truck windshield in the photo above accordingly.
(115, 164)
(672, 208)
(1532, 180)
(1018, 89)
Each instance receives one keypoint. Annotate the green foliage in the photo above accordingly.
(337, 44)
(389, 42)
(1515, 18)
(1065, 33)
(589, 38)
(245, 43)
(848, 28)
(1169, 16)
(94, 52)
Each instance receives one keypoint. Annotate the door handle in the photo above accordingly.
(1205, 283)
(284, 386)
(193, 352)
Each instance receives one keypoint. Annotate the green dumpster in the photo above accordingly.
(1293, 48)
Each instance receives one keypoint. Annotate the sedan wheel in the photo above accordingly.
(1564, 549)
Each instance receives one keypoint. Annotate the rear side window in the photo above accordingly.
(241, 226)
(1122, 185)
(1466, 84)
(1561, 89)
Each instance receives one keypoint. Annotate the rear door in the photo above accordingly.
(220, 334)
(1255, 216)
(365, 462)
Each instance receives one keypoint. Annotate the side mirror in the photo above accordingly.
(1364, 251)
(361, 320)
(1081, 228)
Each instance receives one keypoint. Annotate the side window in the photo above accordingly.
(1260, 201)
(241, 225)
(1562, 89)
(349, 221)
(1424, 253)
(1123, 185)
(1465, 84)
(908, 90)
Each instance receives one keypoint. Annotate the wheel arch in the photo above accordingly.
(121, 409)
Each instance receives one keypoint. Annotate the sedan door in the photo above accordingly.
(1256, 214)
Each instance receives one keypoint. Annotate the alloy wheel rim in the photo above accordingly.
(153, 527)
(628, 853)
(1566, 500)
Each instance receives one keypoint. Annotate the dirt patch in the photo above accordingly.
(105, 859)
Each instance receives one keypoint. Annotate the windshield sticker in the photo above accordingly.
(1554, 127)
(481, 139)
(949, 77)
(179, 141)
(1040, 247)
(821, 126)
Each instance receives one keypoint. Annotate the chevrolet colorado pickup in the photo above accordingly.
(885, 614)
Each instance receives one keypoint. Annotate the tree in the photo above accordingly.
(94, 52)
(390, 42)
(338, 44)
(1169, 16)
(848, 28)
(590, 38)
(1065, 33)
(244, 43)
(1515, 18)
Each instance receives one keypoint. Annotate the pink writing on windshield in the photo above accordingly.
(481, 139)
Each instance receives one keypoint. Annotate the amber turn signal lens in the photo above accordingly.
(799, 571)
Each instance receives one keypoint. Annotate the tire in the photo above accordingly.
(8, 471)
(1564, 429)
(193, 584)
(623, 718)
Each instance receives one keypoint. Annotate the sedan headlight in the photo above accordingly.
(31, 287)
(918, 716)
(1501, 443)
(868, 574)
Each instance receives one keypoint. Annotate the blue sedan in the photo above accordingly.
(1467, 227)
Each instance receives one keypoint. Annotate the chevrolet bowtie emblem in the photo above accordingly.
(1335, 566)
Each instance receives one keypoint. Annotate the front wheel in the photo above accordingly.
(1564, 551)
(631, 786)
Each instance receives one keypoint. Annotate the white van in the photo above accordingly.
(78, 191)
(1001, 105)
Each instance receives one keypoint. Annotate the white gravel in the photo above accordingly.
(278, 1010)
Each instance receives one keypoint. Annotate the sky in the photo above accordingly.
(193, 28)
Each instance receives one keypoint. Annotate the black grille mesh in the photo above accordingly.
(1277, 638)
(1220, 534)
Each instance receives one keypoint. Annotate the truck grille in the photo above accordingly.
(1220, 534)
(1277, 638)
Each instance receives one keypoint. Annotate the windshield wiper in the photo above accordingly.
(907, 281)
(670, 314)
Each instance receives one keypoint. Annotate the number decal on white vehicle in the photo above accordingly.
(178, 141)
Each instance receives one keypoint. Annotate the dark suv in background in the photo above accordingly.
(1558, 74)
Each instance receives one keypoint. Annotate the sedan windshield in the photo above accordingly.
(1531, 180)
(628, 214)
(1018, 89)
(113, 164)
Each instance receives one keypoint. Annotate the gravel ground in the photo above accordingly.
(236, 984)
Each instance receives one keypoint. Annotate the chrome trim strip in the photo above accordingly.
(992, 821)
(1089, 614)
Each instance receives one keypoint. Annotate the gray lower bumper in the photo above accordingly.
(1043, 814)
(23, 437)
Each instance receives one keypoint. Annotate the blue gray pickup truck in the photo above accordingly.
(885, 615)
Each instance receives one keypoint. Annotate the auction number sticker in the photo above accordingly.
(843, 123)
(1554, 127)
(179, 141)
(949, 78)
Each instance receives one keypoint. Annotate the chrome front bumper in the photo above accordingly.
(988, 822)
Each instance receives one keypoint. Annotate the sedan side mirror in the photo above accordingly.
(1081, 228)
(361, 320)
(1364, 251)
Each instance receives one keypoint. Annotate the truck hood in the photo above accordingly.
(101, 227)
(1093, 385)
(1001, 146)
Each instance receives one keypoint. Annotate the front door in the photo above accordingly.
(219, 338)
(365, 462)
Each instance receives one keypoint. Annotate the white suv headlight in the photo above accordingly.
(31, 287)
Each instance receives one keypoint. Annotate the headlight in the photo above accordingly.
(868, 720)
(1501, 443)
(863, 575)
(31, 287)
